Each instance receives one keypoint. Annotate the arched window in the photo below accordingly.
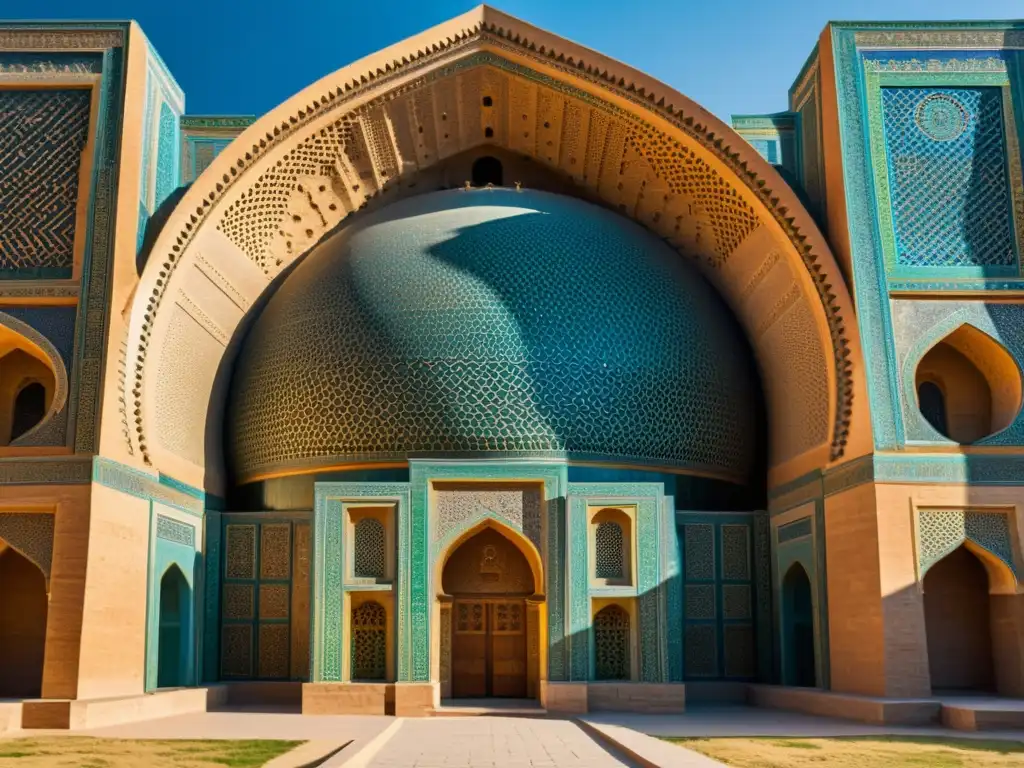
(611, 644)
(29, 409)
(487, 170)
(933, 405)
(368, 549)
(608, 546)
(369, 642)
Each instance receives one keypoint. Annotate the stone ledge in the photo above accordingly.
(76, 714)
(876, 710)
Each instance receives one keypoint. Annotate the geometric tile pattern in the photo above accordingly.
(940, 531)
(458, 322)
(31, 534)
(947, 162)
(42, 135)
(256, 606)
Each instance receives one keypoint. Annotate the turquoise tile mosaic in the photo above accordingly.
(948, 175)
(494, 322)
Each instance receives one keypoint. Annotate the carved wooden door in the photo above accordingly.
(508, 649)
(469, 649)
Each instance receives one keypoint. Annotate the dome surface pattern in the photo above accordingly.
(493, 322)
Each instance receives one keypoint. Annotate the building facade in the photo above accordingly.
(487, 366)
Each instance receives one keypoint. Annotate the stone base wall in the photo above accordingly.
(866, 709)
(569, 698)
(348, 698)
(636, 697)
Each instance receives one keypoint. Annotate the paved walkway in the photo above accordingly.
(492, 742)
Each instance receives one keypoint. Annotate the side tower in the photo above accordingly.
(89, 148)
(908, 153)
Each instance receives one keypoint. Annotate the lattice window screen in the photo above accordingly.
(369, 642)
(608, 545)
(611, 644)
(369, 551)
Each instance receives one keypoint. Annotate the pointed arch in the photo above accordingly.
(390, 119)
(958, 344)
(18, 336)
(523, 544)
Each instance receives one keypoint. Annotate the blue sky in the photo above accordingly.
(738, 56)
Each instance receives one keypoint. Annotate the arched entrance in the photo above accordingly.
(486, 582)
(798, 661)
(957, 622)
(23, 608)
(175, 615)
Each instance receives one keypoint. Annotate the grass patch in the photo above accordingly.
(860, 752)
(78, 752)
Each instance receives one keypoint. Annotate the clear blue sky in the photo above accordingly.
(731, 56)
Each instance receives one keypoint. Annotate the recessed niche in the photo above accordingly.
(968, 386)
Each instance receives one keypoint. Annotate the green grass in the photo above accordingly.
(80, 752)
(859, 752)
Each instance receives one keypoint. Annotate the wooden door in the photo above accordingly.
(489, 649)
(508, 649)
(469, 649)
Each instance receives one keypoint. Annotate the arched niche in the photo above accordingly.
(958, 622)
(373, 131)
(33, 382)
(968, 386)
(799, 663)
(175, 629)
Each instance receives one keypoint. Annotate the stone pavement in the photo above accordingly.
(492, 742)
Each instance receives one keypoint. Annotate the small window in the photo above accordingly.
(369, 642)
(487, 170)
(608, 547)
(488, 101)
(611, 644)
(29, 409)
(933, 406)
(369, 549)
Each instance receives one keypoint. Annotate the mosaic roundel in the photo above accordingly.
(941, 117)
(493, 322)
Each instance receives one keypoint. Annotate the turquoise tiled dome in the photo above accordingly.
(493, 322)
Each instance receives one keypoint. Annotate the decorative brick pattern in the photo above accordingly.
(42, 136)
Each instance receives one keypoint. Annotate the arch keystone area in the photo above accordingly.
(362, 135)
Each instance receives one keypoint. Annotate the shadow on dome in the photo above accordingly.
(612, 349)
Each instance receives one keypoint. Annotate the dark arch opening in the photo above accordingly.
(172, 652)
(29, 409)
(23, 609)
(487, 170)
(957, 624)
(933, 406)
(798, 666)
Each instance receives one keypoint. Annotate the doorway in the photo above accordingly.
(958, 624)
(489, 580)
(489, 649)
(173, 648)
(23, 609)
(799, 663)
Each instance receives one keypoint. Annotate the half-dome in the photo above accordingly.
(493, 322)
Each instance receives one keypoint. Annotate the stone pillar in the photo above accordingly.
(445, 640)
(533, 646)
